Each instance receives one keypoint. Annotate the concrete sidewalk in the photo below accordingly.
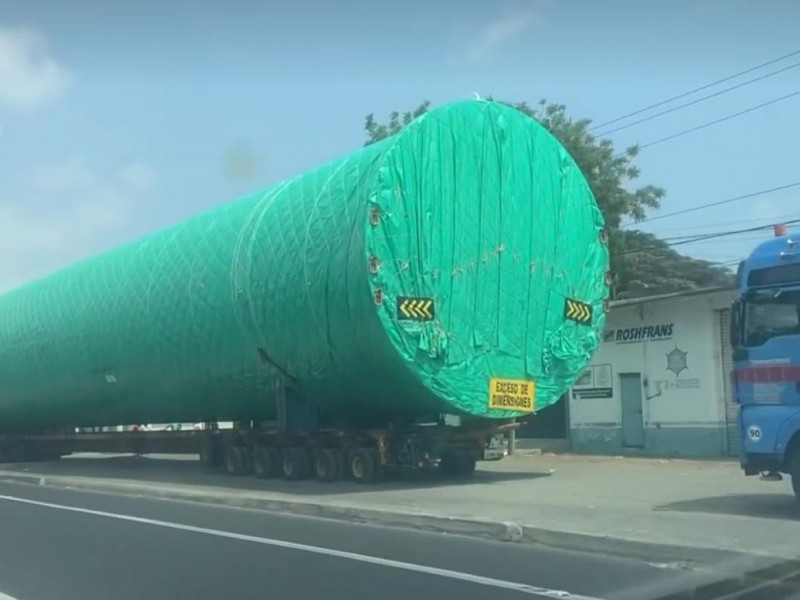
(661, 510)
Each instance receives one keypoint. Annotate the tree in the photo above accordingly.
(649, 266)
(610, 175)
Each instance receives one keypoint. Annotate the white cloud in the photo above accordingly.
(65, 212)
(29, 75)
(505, 28)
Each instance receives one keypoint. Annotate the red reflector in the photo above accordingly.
(378, 295)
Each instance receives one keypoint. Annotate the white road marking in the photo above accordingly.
(384, 562)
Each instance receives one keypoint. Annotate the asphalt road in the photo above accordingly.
(63, 544)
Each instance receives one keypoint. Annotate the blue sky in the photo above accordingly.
(118, 118)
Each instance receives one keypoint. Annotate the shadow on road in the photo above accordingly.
(766, 506)
(188, 471)
(744, 578)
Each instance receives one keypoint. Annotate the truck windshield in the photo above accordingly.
(772, 314)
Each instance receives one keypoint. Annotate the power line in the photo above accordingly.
(730, 263)
(714, 236)
(699, 100)
(720, 120)
(678, 238)
(721, 202)
(745, 237)
(767, 220)
(695, 90)
(704, 237)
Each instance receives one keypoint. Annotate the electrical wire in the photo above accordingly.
(717, 121)
(714, 236)
(753, 236)
(721, 202)
(730, 263)
(695, 90)
(679, 238)
(700, 238)
(698, 100)
(766, 221)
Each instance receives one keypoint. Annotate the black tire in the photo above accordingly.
(210, 455)
(266, 462)
(794, 468)
(447, 466)
(341, 461)
(458, 464)
(328, 464)
(465, 466)
(237, 461)
(296, 464)
(363, 465)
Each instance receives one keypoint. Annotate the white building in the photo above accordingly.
(659, 383)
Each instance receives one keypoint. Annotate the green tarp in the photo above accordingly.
(403, 277)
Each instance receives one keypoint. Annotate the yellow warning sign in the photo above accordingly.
(415, 309)
(577, 311)
(512, 394)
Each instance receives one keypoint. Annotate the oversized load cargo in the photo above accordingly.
(415, 275)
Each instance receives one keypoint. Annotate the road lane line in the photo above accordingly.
(365, 558)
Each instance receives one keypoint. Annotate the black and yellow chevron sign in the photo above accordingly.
(415, 309)
(578, 311)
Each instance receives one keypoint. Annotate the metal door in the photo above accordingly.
(630, 385)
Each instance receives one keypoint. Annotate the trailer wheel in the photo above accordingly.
(458, 464)
(363, 465)
(341, 462)
(296, 463)
(210, 455)
(466, 464)
(794, 469)
(266, 462)
(328, 464)
(237, 461)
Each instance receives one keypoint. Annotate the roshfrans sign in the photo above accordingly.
(642, 333)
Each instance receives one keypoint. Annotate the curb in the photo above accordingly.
(665, 554)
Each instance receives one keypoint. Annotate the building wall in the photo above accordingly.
(676, 346)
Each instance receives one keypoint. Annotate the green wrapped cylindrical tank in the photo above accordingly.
(457, 267)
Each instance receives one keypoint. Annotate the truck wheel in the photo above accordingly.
(465, 465)
(363, 465)
(327, 464)
(237, 461)
(794, 467)
(210, 453)
(266, 462)
(296, 464)
(458, 464)
(341, 461)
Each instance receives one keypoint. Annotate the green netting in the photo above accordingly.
(474, 205)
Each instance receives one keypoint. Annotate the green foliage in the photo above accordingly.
(643, 264)
(648, 266)
(378, 131)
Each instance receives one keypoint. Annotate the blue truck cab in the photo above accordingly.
(765, 335)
